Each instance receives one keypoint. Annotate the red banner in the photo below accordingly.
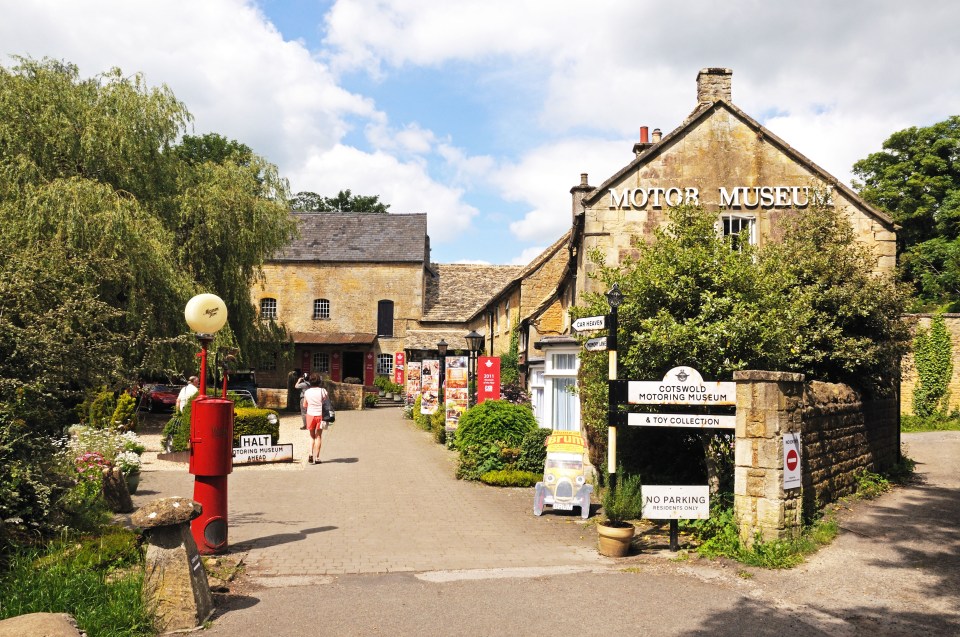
(335, 369)
(368, 369)
(398, 365)
(305, 362)
(488, 378)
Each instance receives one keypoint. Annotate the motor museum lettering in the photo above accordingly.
(739, 197)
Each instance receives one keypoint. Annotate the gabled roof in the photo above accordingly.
(703, 113)
(358, 237)
(459, 290)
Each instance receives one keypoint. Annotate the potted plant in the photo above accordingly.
(129, 464)
(621, 502)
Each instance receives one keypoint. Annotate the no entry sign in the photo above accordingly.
(791, 461)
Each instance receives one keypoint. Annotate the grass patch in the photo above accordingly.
(97, 579)
(937, 422)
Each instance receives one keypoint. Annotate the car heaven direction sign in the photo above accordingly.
(590, 323)
(598, 344)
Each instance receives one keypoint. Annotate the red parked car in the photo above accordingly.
(159, 397)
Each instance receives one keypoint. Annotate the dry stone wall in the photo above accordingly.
(841, 434)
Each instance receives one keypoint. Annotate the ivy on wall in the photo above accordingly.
(933, 357)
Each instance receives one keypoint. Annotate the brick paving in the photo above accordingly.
(385, 499)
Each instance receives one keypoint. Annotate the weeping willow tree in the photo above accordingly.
(102, 169)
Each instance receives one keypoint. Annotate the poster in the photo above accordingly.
(429, 386)
(455, 390)
(413, 382)
(488, 378)
(564, 484)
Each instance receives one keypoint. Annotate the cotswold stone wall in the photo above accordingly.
(841, 433)
(909, 372)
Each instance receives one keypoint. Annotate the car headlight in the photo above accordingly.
(580, 480)
(551, 478)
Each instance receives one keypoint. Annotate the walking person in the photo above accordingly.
(303, 385)
(312, 402)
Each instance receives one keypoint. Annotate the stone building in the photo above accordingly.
(718, 157)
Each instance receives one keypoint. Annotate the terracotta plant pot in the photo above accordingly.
(614, 541)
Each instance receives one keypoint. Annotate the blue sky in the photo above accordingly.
(483, 113)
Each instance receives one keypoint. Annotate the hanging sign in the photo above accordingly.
(429, 387)
(701, 421)
(455, 389)
(488, 378)
(681, 386)
(590, 323)
(791, 461)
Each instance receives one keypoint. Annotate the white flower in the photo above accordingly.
(127, 461)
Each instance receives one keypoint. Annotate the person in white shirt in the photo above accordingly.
(312, 401)
(303, 385)
(189, 390)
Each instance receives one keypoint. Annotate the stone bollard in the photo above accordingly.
(40, 625)
(175, 583)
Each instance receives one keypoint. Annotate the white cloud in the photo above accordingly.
(405, 186)
(544, 176)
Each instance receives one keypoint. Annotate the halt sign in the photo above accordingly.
(791, 461)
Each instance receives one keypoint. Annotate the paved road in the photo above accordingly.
(381, 540)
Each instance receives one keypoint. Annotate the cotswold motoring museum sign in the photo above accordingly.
(738, 197)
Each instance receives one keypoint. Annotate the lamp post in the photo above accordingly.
(614, 299)
(474, 342)
(211, 433)
(442, 351)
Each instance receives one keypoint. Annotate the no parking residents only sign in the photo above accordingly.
(257, 449)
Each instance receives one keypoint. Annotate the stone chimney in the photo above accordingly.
(714, 84)
(579, 192)
(657, 135)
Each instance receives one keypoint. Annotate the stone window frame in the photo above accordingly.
(268, 308)
(268, 363)
(385, 364)
(321, 309)
(321, 362)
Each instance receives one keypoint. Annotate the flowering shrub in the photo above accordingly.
(127, 462)
(90, 465)
(132, 442)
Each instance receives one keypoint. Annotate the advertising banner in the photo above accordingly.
(429, 387)
(564, 484)
(455, 390)
(398, 360)
(413, 382)
(488, 378)
(335, 368)
(368, 369)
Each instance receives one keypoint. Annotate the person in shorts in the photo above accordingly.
(312, 401)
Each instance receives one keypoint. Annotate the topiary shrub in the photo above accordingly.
(101, 409)
(511, 478)
(124, 416)
(251, 421)
(533, 451)
(492, 421)
(490, 437)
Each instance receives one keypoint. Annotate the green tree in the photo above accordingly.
(916, 178)
(933, 357)
(344, 201)
(95, 166)
(808, 303)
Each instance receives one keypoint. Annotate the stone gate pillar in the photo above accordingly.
(768, 406)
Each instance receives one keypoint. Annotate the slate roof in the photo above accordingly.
(358, 237)
(461, 290)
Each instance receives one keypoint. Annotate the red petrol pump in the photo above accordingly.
(211, 434)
